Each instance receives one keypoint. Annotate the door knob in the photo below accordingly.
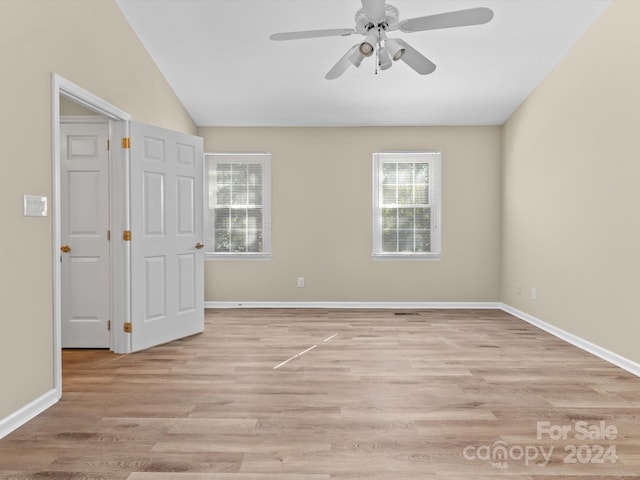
(199, 245)
(65, 248)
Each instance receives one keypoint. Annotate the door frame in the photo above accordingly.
(119, 216)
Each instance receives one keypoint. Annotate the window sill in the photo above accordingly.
(399, 257)
(236, 257)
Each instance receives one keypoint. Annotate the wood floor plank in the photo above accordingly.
(364, 395)
(216, 476)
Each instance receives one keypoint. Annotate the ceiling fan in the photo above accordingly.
(374, 20)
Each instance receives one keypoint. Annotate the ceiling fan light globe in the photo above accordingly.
(366, 49)
(368, 46)
(395, 49)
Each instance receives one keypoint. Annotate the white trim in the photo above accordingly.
(363, 305)
(85, 98)
(237, 154)
(251, 158)
(406, 257)
(235, 257)
(119, 190)
(26, 413)
(434, 159)
(601, 352)
(63, 87)
(83, 119)
(56, 89)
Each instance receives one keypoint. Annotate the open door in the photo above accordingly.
(167, 256)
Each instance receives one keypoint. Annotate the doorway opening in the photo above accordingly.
(74, 99)
(155, 217)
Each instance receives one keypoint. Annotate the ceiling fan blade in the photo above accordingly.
(374, 9)
(460, 18)
(334, 32)
(416, 60)
(342, 65)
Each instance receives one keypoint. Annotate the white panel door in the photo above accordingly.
(84, 217)
(167, 259)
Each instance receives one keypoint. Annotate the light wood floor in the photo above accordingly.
(426, 394)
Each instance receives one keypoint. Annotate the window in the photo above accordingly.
(406, 205)
(238, 209)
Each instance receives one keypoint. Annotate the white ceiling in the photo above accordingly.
(217, 56)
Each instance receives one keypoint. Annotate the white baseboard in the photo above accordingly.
(26, 413)
(607, 355)
(363, 305)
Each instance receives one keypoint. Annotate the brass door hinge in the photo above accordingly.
(127, 327)
(126, 142)
(126, 235)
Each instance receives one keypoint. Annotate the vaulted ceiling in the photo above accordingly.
(217, 56)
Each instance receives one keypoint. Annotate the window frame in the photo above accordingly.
(261, 158)
(434, 159)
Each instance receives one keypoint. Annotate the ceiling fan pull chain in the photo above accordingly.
(377, 55)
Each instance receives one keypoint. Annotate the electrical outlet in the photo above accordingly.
(518, 288)
(300, 282)
(534, 293)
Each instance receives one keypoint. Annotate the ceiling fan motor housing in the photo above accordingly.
(388, 22)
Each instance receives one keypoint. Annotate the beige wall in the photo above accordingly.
(68, 107)
(90, 44)
(322, 184)
(571, 186)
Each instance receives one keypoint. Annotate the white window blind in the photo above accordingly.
(238, 209)
(406, 205)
